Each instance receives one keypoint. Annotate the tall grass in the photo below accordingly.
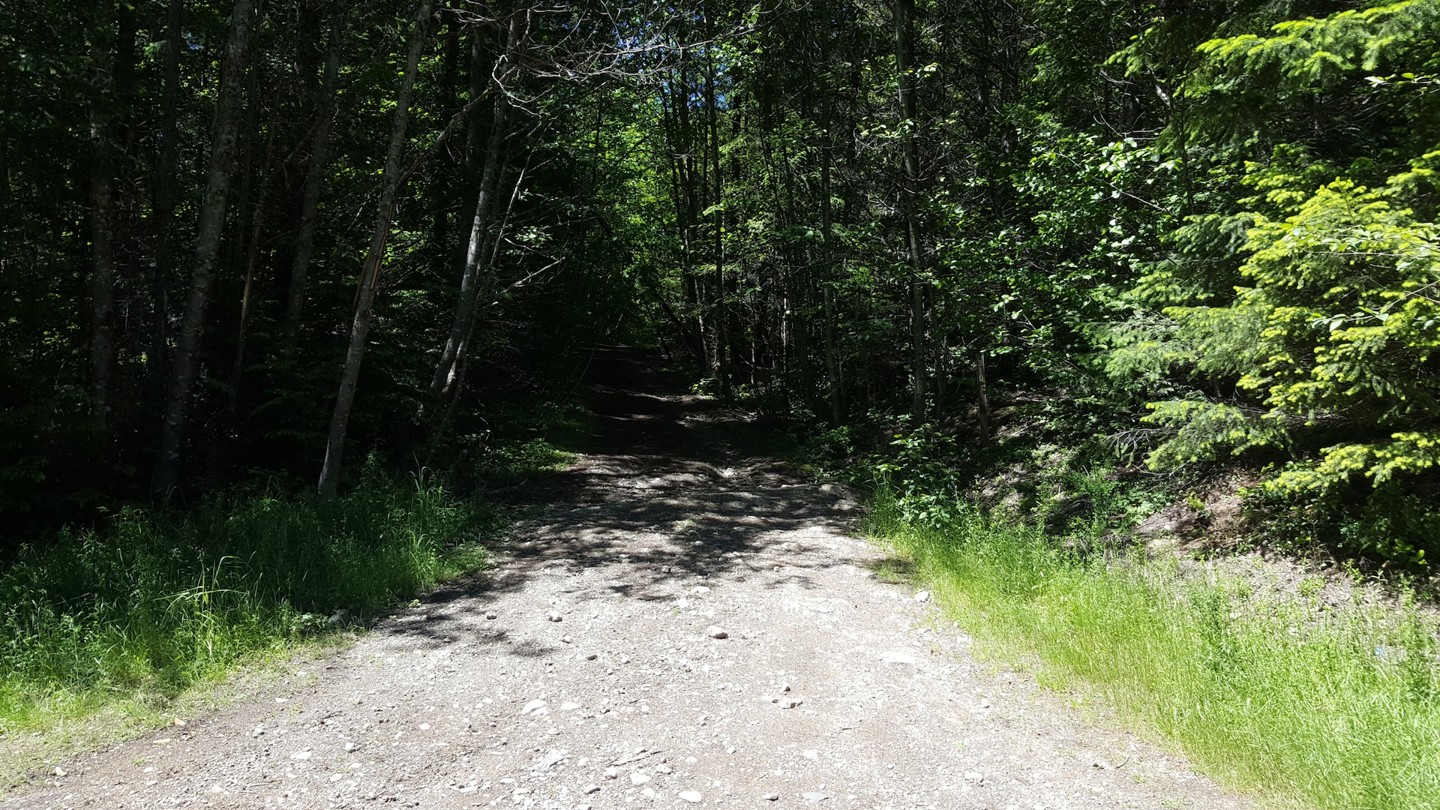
(1331, 707)
(157, 601)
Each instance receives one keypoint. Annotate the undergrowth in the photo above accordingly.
(158, 601)
(1335, 707)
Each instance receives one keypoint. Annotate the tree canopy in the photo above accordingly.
(241, 237)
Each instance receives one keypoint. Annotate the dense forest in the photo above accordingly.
(281, 277)
(242, 239)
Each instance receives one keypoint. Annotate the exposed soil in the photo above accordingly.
(680, 622)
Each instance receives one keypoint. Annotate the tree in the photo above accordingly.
(369, 283)
(185, 365)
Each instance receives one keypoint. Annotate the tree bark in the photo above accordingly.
(905, 70)
(102, 224)
(207, 244)
(982, 402)
(325, 103)
(827, 224)
(163, 200)
(329, 482)
(257, 222)
(722, 326)
(465, 304)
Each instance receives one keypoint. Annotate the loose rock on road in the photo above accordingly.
(685, 624)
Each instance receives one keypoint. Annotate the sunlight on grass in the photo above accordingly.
(1336, 708)
(130, 616)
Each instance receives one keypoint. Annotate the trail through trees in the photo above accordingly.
(683, 622)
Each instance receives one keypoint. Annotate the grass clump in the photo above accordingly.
(1336, 707)
(158, 601)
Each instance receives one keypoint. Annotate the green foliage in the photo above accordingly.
(157, 601)
(1299, 700)
(1322, 348)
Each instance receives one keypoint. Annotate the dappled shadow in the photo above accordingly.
(666, 497)
(891, 568)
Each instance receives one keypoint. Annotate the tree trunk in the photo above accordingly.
(722, 325)
(982, 402)
(314, 184)
(485, 199)
(905, 69)
(207, 244)
(257, 222)
(827, 223)
(370, 271)
(102, 224)
(163, 200)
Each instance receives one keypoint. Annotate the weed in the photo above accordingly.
(158, 601)
(1337, 710)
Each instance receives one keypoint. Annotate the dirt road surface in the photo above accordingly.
(685, 624)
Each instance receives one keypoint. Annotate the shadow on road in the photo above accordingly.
(668, 494)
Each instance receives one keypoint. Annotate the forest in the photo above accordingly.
(325, 264)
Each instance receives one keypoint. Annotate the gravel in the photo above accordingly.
(831, 687)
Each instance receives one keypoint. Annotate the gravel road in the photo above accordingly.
(684, 624)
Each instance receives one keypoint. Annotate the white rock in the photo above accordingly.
(555, 616)
(771, 797)
(923, 596)
(638, 778)
(894, 657)
(300, 755)
(533, 707)
(490, 614)
(812, 796)
(716, 632)
(692, 796)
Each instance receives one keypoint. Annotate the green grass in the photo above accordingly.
(129, 616)
(1330, 708)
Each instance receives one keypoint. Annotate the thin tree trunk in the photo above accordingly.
(329, 482)
(983, 399)
(207, 244)
(940, 374)
(479, 224)
(722, 326)
(827, 224)
(164, 181)
(102, 225)
(325, 103)
(257, 222)
(680, 181)
(484, 287)
(904, 67)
